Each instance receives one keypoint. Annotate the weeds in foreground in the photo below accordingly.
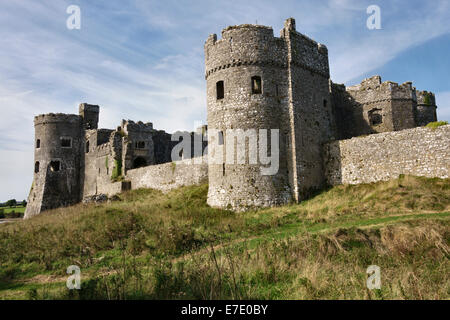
(156, 246)
(413, 257)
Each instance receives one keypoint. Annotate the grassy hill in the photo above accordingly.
(151, 245)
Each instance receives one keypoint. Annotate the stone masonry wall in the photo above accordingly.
(310, 105)
(170, 175)
(384, 156)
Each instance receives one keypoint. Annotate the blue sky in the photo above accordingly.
(143, 60)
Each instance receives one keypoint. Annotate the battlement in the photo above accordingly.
(425, 98)
(129, 125)
(373, 90)
(56, 118)
(90, 115)
(304, 51)
(88, 107)
(244, 45)
(250, 44)
(239, 30)
(338, 86)
(376, 84)
(103, 149)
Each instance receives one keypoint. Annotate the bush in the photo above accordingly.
(12, 215)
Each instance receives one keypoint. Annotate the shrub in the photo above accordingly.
(13, 214)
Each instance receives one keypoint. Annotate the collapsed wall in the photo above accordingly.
(384, 156)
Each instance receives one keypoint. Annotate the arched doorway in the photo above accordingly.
(139, 162)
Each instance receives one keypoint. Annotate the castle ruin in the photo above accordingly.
(254, 81)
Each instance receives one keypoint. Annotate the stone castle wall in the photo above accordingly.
(309, 109)
(254, 81)
(170, 175)
(397, 106)
(384, 156)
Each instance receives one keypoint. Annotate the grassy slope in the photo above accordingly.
(151, 245)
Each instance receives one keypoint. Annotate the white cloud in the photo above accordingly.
(17, 175)
(361, 51)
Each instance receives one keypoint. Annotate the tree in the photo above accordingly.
(11, 203)
(24, 203)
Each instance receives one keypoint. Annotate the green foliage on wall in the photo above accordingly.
(122, 133)
(117, 171)
(427, 98)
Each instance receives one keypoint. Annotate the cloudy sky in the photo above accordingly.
(143, 60)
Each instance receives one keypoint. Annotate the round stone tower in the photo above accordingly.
(247, 91)
(56, 183)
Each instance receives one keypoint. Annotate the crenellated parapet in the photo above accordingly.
(425, 98)
(374, 106)
(90, 115)
(249, 44)
(307, 53)
(129, 125)
(56, 118)
(244, 45)
(426, 108)
(372, 90)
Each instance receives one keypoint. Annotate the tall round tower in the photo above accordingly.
(247, 90)
(56, 183)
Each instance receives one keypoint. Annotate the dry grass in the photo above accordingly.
(152, 245)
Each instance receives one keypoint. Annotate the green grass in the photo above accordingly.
(173, 246)
(436, 124)
(20, 209)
